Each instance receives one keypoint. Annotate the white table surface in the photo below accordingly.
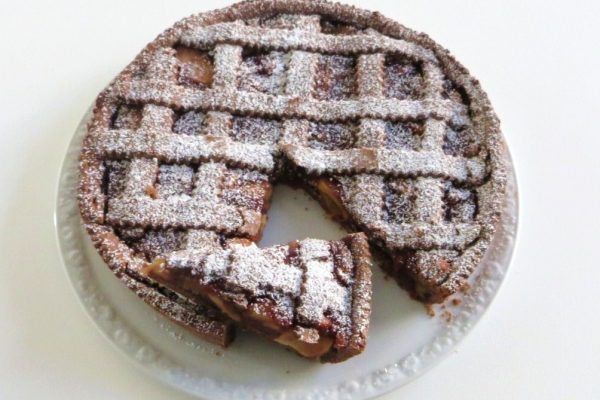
(539, 62)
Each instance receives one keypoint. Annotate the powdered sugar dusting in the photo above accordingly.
(263, 72)
(393, 162)
(300, 40)
(179, 141)
(139, 204)
(363, 195)
(254, 270)
(321, 294)
(306, 287)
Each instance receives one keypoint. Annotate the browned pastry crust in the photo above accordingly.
(372, 117)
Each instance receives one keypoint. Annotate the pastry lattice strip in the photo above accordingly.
(282, 39)
(155, 138)
(178, 96)
(388, 162)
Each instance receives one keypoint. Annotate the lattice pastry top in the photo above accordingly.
(380, 123)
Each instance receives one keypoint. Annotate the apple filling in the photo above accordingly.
(267, 192)
(331, 199)
(262, 203)
(225, 308)
(188, 286)
(307, 349)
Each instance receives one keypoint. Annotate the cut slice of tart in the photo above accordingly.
(310, 295)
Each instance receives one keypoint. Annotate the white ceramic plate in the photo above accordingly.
(403, 341)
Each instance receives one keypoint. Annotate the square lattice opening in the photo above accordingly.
(126, 116)
(336, 136)
(461, 141)
(403, 79)
(399, 198)
(335, 78)
(262, 71)
(404, 135)
(196, 67)
(460, 204)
